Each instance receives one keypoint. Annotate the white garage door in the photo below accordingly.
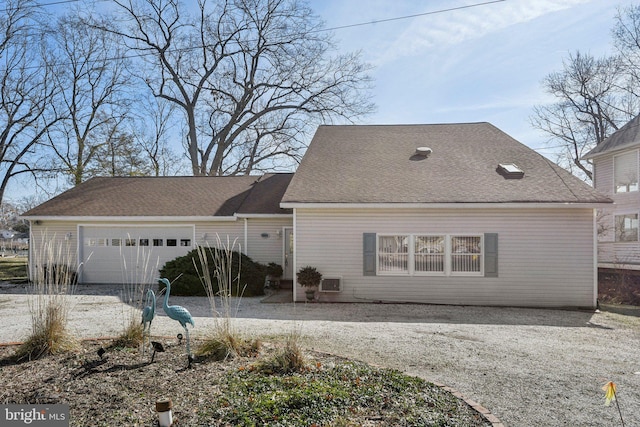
(130, 254)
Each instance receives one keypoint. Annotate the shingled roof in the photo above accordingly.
(377, 164)
(625, 137)
(169, 197)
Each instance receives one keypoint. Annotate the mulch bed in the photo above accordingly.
(619, 287)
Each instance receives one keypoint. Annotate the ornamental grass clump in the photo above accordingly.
(216, 272)
(53, 279)
(288, 359)
(135, 279)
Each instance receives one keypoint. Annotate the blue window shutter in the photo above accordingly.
(491, 255)
(369, 254)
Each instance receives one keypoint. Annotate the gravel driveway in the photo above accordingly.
(530, 367)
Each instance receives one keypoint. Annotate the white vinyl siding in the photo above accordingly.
(625, 167)
(546, 256)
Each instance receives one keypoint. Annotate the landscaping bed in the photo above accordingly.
(121, 388)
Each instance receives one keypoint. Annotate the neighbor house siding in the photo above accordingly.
(610, 252)
(546, 256)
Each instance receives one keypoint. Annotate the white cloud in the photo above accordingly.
(441, 31)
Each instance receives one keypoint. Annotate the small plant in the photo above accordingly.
(309, 277)
(274, 270)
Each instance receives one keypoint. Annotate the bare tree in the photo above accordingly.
(593, 100)
(251, 77)
(26, 92)
(152, 131)
(90, 72)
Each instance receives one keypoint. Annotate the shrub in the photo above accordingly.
(183, 275)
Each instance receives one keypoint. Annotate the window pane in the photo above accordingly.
(130, 242)
(185, 242)
(626, 228)
(626, 172)
(172, 242)
(157, 242)
(429, 253)
(144, 242)
(466, 253)
(115, 242)
(393, 253)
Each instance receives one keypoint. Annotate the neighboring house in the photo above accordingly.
(122, 230)
(477, 218)
(443, 214)
(615, 174)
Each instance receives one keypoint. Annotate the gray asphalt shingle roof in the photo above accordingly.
(625, 137)
(376, 164)
(169, 196)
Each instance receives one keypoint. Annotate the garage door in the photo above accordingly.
(130, 254)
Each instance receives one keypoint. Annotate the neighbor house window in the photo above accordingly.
(185, 242)
(172, 242)
(130, 242)
(393, 254)
(625, 171)
(416, 254)
(157, 242)
(144, 242)
(115, 242)
(626, 228)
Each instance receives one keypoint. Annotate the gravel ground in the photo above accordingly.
(530, 367)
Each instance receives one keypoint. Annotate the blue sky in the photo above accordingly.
(482, 63)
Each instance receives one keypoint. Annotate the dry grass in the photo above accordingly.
(288, 359)
(53, 279)
(224, 341)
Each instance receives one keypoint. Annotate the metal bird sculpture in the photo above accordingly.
(178, 313)
(148, 313)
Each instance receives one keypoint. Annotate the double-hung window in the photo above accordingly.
(626, 227)
(625, 172)
(437, 254)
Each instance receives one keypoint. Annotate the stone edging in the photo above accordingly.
(486, 414)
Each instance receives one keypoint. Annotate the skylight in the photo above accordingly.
(510, 170)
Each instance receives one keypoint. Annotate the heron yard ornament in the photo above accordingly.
(148, 313)
(179, 313)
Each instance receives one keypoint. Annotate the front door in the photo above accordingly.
(288, 254)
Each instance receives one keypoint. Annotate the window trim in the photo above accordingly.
(448, 256)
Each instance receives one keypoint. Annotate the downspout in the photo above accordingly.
(595, 258)
(246, 239)
(295, 253)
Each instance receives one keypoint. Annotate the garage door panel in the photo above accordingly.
(130, 254)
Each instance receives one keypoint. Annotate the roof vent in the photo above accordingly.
(423, 151)
(510, 171)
